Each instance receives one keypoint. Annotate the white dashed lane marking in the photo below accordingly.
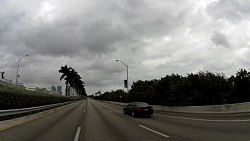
(161, 134)
(77, 134)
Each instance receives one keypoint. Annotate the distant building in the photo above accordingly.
(43, 90)
(32, 88)
(59, 89)
(53, 89)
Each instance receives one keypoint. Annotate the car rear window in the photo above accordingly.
(141, 104)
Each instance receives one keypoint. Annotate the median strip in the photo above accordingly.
(77, 134)
(208, 120)
(161, 134)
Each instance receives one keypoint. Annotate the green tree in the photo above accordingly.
(72, 80)
(67, 77)
(202, 88)
(241, 91)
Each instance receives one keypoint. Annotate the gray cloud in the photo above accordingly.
(232, 10)
(154, 38)
(220, 39)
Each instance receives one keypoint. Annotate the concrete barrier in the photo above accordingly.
(227, 108)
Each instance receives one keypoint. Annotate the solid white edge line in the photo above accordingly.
(166, 136)
(77, 134)
(195, 119)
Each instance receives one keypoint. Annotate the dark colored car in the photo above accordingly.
(138, 109)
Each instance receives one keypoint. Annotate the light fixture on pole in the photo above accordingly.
(125, 83)
(18, 66)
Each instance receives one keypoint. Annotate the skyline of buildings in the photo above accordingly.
(57, 89)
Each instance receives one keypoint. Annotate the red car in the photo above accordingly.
(138, 109)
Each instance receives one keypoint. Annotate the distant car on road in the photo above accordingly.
(138, 109)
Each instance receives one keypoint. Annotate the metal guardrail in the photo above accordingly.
(236, 108)
(31, 109)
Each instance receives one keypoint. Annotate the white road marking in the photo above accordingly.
(84, 110)
(77, 134)
(110, 111)
(166, 136)
(211, 120)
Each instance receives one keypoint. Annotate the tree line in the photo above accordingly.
(202, 88)
(72, 81)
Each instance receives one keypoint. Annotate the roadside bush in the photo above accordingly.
(15, 98)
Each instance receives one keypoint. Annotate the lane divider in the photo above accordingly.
(110, 111)
(161, 134)
(77, 134)
(209, 120)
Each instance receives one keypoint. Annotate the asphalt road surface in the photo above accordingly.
(92, 120)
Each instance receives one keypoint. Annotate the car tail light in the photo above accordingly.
(139, 109)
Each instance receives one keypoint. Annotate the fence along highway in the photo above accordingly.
(92, 120)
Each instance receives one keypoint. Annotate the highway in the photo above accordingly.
(91, 120)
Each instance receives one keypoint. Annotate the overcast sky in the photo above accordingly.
(154, 37)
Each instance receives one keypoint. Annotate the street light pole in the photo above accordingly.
(18, 66)
(127, 71)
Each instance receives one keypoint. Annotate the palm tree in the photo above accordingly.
(80, 88)
(72, 80)
(75, 77)
(66, 75)
(77, 83)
